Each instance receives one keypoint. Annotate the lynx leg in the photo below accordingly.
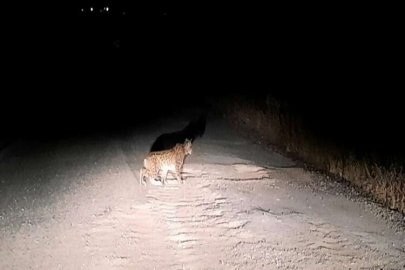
(140, 176)
(164, 176)
(179, 179)
(178, 174)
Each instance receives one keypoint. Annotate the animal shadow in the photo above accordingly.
(194, 129)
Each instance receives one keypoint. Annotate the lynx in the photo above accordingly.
(165, 161)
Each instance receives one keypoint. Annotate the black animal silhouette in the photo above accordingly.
(194, 129)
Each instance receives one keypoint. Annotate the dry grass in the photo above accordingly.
(278, 124)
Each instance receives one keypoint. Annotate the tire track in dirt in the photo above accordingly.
(280, 237)
(214, 222)
(199, 224)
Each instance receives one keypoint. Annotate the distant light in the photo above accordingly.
(165, 14)
(106, 8)
(91, 9)
(82, 10)
(123, 13)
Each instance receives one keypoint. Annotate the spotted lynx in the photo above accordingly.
(165, 161)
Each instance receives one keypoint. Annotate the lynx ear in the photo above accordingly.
(187, 140)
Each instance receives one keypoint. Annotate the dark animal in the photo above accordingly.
(195, 129)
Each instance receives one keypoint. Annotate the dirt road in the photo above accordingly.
(77, 204)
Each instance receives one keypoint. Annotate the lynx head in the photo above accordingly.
(187, 146)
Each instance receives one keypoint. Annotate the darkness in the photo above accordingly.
(72, 71)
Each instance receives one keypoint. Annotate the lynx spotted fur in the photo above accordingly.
(165, 161)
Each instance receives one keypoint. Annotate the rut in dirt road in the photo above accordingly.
(214, 223)
(193, 223)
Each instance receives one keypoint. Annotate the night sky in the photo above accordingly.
(331, 61)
